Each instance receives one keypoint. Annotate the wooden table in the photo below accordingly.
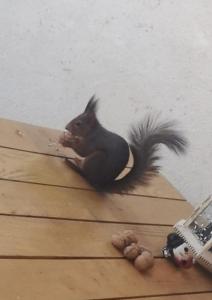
(55, 231)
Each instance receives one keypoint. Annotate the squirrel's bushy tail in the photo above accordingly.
(144, 142)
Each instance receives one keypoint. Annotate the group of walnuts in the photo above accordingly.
(127, 243)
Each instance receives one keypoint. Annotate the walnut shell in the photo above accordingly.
(123, 239)
(118, 241)
(144, 261)
(132, 251)
(142, 248)
(129, 237)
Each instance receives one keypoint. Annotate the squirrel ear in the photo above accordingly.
(92, 105)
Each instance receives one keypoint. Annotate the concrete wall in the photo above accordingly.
(138, 56)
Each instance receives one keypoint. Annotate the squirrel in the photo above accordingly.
(106, 154)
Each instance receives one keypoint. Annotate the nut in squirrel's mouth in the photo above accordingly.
(67, 131)
(69, 134)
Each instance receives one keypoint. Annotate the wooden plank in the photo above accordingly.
(38, 139)
(29, 167)
(47, 201)
(32, 138)
(58, 238)
(94, 279)
(199, 296)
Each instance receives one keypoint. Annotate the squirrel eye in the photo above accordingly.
(78, 123)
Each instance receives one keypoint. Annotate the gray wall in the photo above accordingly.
(137, 56)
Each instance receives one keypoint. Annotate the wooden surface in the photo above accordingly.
(198, 296)
(55, 230)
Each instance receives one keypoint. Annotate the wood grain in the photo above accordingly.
(27, 137)
(94, 279)
(48, 201)
(201, 296)
(55, 230)
(58, 238)
(31, 167)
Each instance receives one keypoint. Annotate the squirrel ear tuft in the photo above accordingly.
(92, 105)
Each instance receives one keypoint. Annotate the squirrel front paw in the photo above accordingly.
(65, 139)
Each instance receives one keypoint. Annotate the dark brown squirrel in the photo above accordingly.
(106, 154)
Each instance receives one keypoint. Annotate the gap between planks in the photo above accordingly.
(91, 190)
(28, 237)
(96, 279)
(84, 220)
(37, 139)
(204, 295)
(28, 257)
(26, 199)
(88, 189)
(13, 161)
